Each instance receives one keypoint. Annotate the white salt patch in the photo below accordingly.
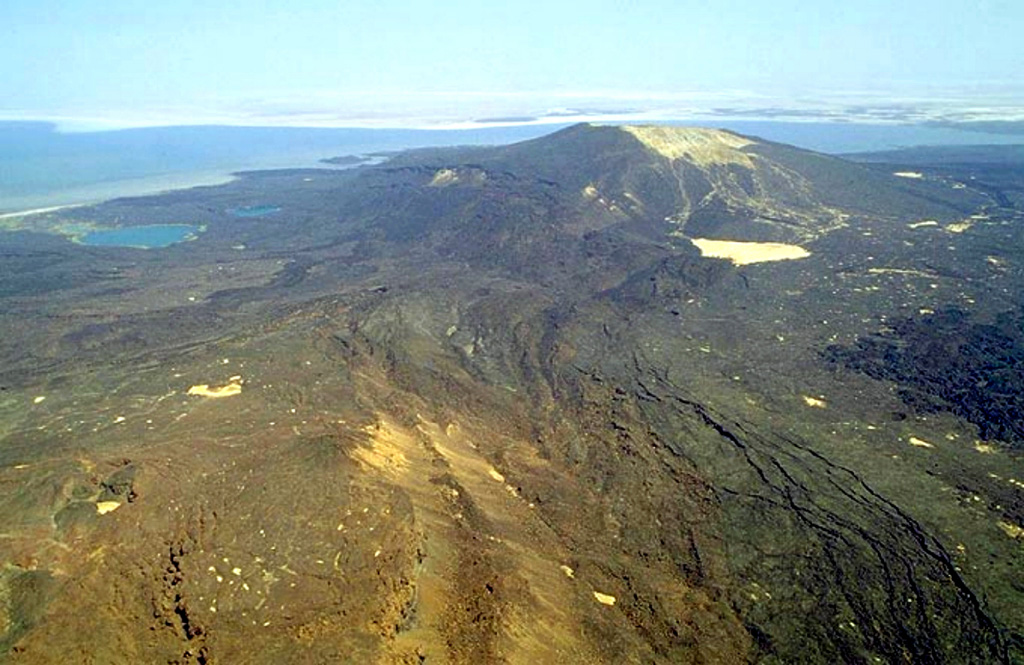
(204, 390)
(744, 253)
(104, 507)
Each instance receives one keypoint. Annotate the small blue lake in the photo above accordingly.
(144, 237)
(254, 211)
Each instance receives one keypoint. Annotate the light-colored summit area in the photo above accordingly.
(701, 146)
(729, 188)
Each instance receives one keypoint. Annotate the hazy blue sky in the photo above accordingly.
(138, 57)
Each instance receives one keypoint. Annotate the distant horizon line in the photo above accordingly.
(894, 113)
(91, 125)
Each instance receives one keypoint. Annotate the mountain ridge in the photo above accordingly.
(743, 189)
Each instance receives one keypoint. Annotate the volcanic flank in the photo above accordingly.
(505, 405)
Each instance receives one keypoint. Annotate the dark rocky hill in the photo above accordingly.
(615, 395)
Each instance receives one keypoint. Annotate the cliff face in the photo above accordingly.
(493, 405)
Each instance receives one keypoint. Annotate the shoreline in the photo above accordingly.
(100, 193)
(39, 211)
(118, 189)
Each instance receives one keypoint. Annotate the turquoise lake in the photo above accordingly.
(145, 237)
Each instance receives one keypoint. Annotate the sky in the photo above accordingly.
(409, 61)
